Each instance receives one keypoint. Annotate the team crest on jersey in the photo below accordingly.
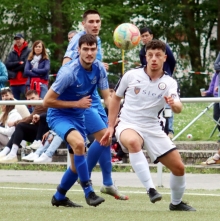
(94, 80)
(162, 86)
(136, 90)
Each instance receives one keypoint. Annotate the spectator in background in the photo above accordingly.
(37, 68)
(50, 143)
(15, 64)
(3, 75)
(25, 129)
(9, 113)
(71, 34)
(169, 66)
(217, 63)
(6, 94)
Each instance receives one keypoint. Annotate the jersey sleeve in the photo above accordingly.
(63, 80)
(103, 80)
(173, 91)
(122, 85)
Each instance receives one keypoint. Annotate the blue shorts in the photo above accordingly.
(95, 120)
(63, 124)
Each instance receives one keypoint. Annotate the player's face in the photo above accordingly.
(87, 54)
(155, 59)
(146, 37)
(92, 24)
(70, 36)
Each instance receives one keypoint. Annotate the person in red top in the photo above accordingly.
(15, 64)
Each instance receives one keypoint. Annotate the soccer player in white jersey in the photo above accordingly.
(68, 98)
(146, 91)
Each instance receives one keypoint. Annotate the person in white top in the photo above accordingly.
(9, 113)
(6, 94)
(146, 91)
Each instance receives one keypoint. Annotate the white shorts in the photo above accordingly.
(156, 142)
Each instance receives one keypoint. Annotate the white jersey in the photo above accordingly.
(143, 98)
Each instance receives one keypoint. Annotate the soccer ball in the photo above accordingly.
(126, 36)
(189, 136)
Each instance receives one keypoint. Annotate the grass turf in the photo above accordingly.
(32, 202)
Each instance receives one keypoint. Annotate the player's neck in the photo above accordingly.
(154, 75)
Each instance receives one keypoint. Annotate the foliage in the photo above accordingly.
(187, 26)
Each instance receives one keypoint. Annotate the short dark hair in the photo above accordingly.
(29, 92)
(156, 44)
(87, 38)
(146, 29)
(90, 12)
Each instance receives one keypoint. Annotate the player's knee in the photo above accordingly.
(132, 144)
(179, 170)
(79, 147)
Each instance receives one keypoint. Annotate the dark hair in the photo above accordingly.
(156, 44)
(29, 92)
(89, 39)
(32, 53)
(90, 12)
(146, 29)
(4, 117)
(5, 90)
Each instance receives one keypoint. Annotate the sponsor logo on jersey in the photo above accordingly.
(162, 86)
(94, 80)
(136, 90)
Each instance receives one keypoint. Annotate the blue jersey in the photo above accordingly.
(73, 82)
(72, 49)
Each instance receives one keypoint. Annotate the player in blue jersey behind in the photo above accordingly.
(95, 116)
(68, 98)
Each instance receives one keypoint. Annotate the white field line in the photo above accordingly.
(127, 192)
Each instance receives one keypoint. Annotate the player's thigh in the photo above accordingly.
(131, 139)
(173, 161)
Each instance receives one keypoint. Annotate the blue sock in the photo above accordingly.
(93, 155)
(106, 166)
(82, 170)
(67, 181)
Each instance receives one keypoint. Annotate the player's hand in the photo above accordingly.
(169, 100)
(106, 66)
(107, 137)
(35, 118)
(85, 102)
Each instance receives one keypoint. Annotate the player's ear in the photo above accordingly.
(79, 50)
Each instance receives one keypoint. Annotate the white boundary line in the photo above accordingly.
(131, 192)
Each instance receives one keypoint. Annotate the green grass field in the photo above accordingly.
(201, 129)
(32, 202)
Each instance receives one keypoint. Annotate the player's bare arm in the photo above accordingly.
(176, 106)
(65, 60)
(106, 97)
(50, 100)
(114, 107)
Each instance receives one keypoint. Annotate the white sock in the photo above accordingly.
(5, 151)
(141, 168)
(177, 186)
(14, 150)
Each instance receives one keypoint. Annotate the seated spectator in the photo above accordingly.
(42, 128)
(37, 68)
(116, 151)
(6, 94)
(50, 143)
(9, 113)
(25, 129)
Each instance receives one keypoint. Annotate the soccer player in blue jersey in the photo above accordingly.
(92, 24)
(68, 98)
